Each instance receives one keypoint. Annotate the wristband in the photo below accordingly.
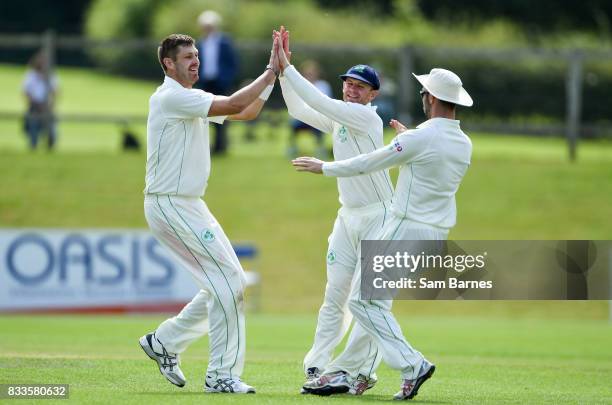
(266, 92)
(273, 71)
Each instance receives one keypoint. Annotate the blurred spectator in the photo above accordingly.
(310, 70)
(129, 139)
(385, 102)
(218, 67)
(40, 88)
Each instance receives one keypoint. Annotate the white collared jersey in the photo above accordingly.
(433, 159)
(178, 151)
(355, 128)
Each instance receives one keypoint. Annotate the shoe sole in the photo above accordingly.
(235, 393)
(421, 380)
(144, 345)
(328, 390)
(211, 391)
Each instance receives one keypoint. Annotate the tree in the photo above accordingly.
(535, 16)
(64, 16)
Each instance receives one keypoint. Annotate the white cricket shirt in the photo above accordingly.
(36, 86)
(178, 151)
(355, 128)
(210, 59)
(433, 159)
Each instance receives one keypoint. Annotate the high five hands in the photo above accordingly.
(274, 63)
(281, 47)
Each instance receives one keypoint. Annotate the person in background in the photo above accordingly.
(40, 88)
(311, 71)
(218, 68)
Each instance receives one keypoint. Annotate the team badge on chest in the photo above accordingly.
(342, 134)
(208, 236)
(331, 257)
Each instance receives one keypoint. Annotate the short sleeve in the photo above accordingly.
(187, 103)
(218, 119)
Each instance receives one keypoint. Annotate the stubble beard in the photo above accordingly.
(185, 76)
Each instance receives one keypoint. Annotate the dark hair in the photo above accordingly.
(39, 61)
(448, 104)
(169, 47)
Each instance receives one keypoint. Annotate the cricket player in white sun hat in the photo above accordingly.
(177, 170)
(433, 158)
(365, 201)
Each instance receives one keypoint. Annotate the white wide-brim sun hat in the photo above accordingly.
(445, 85)
(209, 18)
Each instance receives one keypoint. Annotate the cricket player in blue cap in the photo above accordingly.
(365, 200)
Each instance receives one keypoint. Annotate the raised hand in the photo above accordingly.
(283, 59)
(308, 164)
(398, 126)
(284, 55)
(274, 63)
(285, 39)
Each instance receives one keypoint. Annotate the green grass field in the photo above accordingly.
(516, 188)
(479, 360)
(486, 352)
(510, 192)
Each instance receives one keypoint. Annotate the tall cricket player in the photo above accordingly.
(177, 170)
(365, 201)
(433, 158)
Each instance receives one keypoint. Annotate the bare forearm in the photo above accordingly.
(246, 95)
(242, 98)
(249, 113)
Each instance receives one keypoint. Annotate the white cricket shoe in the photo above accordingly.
(168, 362)
(361, 384)
(312, 374)
(328, 384)
(410, 388)
(227, 386)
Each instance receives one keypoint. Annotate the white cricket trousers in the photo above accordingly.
(376, 325)
(351, 226)
(194, 237)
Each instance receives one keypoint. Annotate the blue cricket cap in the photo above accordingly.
(364, 73)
